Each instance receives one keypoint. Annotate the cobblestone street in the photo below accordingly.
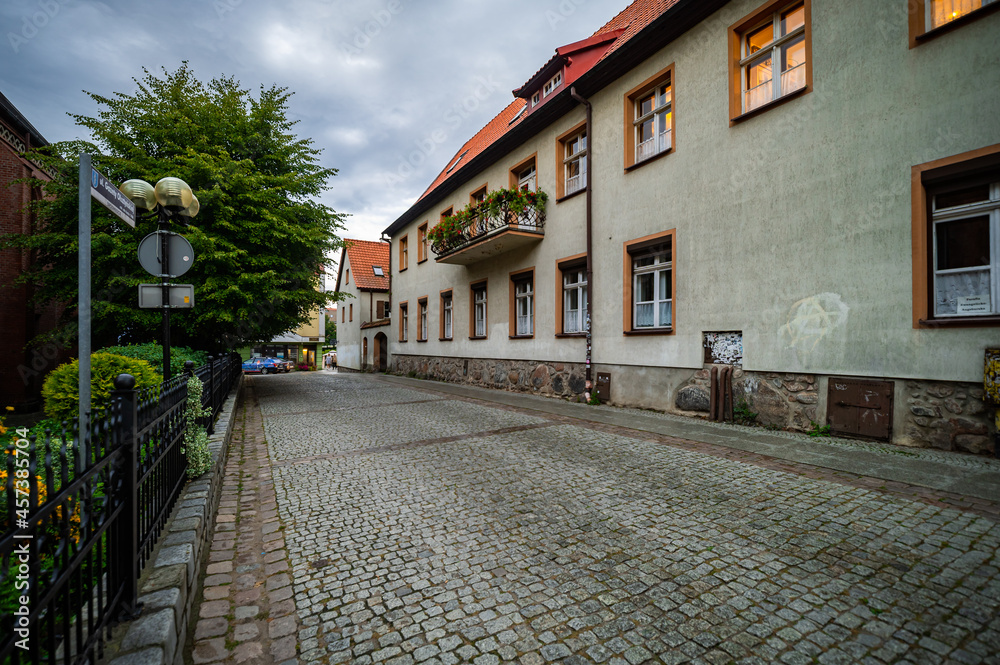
(422, 527)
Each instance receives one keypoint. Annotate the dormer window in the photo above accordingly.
(535, 98)
(378, 271)
(552, 84)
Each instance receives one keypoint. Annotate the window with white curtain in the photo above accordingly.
(479, 310)
(575, 163)
(652, 300)
(966, 260)
(940, 12)
(773, 57)
(574, 300)
(446, 313)
(524, 307)
(422, 332)
(653, 116)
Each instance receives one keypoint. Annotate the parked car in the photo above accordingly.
(261, 366)
(284, 364)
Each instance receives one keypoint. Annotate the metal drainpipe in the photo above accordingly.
(388, 314)
(590, 274)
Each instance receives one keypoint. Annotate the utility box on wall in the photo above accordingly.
(604, 387)
(860, 407)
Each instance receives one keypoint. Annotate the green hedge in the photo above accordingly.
(153, 354)
(61, 389)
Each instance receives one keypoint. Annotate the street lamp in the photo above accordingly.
(171, 198)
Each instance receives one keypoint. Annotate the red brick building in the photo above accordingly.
(22, 369)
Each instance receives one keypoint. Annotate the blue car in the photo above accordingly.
(261, 366)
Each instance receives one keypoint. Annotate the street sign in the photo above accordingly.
(181, 296)
(180, 254)
(109, 196)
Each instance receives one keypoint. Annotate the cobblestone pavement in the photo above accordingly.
(423, 528)
(247, 614)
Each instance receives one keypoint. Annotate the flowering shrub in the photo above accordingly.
(498, 204)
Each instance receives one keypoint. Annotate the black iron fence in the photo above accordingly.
(81, 515)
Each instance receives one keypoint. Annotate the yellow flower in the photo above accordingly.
(3, 430)
(10, 409)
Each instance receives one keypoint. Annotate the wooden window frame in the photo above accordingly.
(561, 160)
(630, 247)
(567, 263)
(404, 251)
(446, 294)
(422, 243)
(347, 277)
(350, 318)
(343, 315)
(521, 166)
(404, 313)
(514, 278)
(473, 287)
(930, 176)
(628, 117)
(483, 189)
(423, 319)
(735, 35)
(917, 11)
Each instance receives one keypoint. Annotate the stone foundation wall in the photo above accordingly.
(949, 416)
(785, 401)
(554, 379)
(927, 414)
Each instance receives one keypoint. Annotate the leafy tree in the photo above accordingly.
(259, 238)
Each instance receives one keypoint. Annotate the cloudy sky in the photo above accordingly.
(373, 79)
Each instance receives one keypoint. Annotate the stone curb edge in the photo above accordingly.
(168, 587)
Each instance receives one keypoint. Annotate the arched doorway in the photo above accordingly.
(382, 351)
(364, 354)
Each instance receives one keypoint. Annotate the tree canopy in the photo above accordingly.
(260, 239)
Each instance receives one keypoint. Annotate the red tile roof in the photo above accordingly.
(634, 18)
(363, 255)
(630, 21)
(493, 130)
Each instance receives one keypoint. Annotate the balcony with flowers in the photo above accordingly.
(505, 220)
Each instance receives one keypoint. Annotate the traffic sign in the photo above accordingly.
(109, 196)
(180, 254)
(181, 296)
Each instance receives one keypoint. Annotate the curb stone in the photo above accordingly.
(158, 636)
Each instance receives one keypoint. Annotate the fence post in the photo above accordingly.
(125, 397)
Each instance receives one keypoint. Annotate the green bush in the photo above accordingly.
(153, 354)
(61, 389)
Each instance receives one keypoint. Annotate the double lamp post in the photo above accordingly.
(172, 200)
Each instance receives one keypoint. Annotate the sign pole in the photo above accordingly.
(164, 270)
(83, 306)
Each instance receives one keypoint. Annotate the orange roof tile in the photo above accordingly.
(630, 21)
(494, 129)
(363, 255)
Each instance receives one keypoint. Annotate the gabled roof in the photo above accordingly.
(363, 256)
(550, 68)
(658, 21)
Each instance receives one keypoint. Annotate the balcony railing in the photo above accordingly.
(485, 225)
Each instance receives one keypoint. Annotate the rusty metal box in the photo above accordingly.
(604, 387)
(860, 408)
